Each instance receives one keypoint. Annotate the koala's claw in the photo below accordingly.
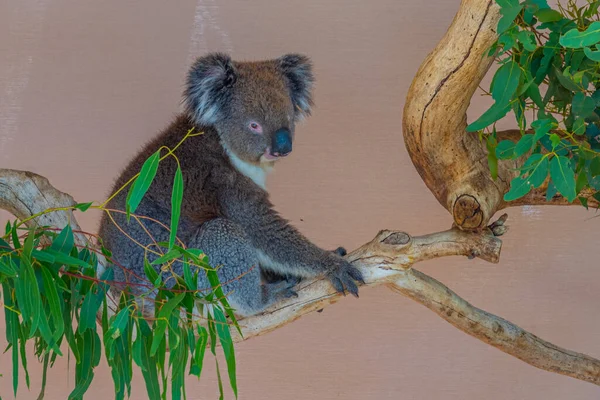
(289, 292)
(356, 275)
(293, 280)
(343, 279)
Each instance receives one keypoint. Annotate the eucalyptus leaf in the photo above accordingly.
(143, 181)
(509, 13)
(524, 145)
(579, 126)
(539, 173)
(519, 187)
(583, 105)
(505, 150)
(506, 82)
(493, 114)
(592, 55)
(527, 39)
(578, 39)
(548, 15)
(176, 200)
(563, 177)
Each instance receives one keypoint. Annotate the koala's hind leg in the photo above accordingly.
(228, 247)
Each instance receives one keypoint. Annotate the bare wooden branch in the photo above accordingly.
(496, 331)
(452, 163)
(387, 259)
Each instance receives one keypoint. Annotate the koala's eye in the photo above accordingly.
(255, 127)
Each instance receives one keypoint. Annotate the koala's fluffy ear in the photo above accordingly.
(297, 69)
(206, 92)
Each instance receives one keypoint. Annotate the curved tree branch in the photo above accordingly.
(387, 259)
(452, 162)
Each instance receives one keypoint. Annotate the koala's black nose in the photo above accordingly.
(282, 143)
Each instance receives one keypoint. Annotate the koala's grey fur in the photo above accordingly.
(226, 210)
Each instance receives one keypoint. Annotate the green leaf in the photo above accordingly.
(190, 280)
(542, 127)
(548, 15)
(7, 267)
(151, 273)
(506, 82)
(592, 55)
(219, 381)
(536, 167)
(54, 301)
(595, 166)
(579, 126)
(83, 206)
(493, 114)
(581, 182)
(548, 55)
(519, 187)
(509, 14)
(505, 150)
(533, 92)
(551, 191)
(141, 355)
(524, 145)
(563, 177)
(143, 181)
(4, 246)
(64, 242)
(583, 106)
(89, 309)
(163, 321)
(23, 352)
(61, 258)
(565, 80)
(199, 351)
(575, 39)
(493, 164)
(90, 348)
(15, 237)
(527, 39)
(176, 199)
(170, 255)
(555, 139)
(115, 330)
(11, 322)
(28, 295)
(227, 345)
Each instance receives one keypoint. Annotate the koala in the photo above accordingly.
(247, 112)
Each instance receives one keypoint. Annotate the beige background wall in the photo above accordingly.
(83, 83)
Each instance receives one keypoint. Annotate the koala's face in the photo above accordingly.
(253, 105)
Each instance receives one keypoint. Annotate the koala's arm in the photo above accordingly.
(282, 247)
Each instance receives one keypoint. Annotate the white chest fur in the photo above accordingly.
(257, 173)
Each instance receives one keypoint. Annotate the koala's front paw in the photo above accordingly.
(343, 275)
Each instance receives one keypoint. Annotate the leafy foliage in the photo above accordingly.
(549, 77)
(51, 295)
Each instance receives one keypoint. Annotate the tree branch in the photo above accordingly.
(451, 161)
(387, 259)
(495, 331)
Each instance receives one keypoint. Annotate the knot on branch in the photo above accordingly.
(395, 238)
(467, 212)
